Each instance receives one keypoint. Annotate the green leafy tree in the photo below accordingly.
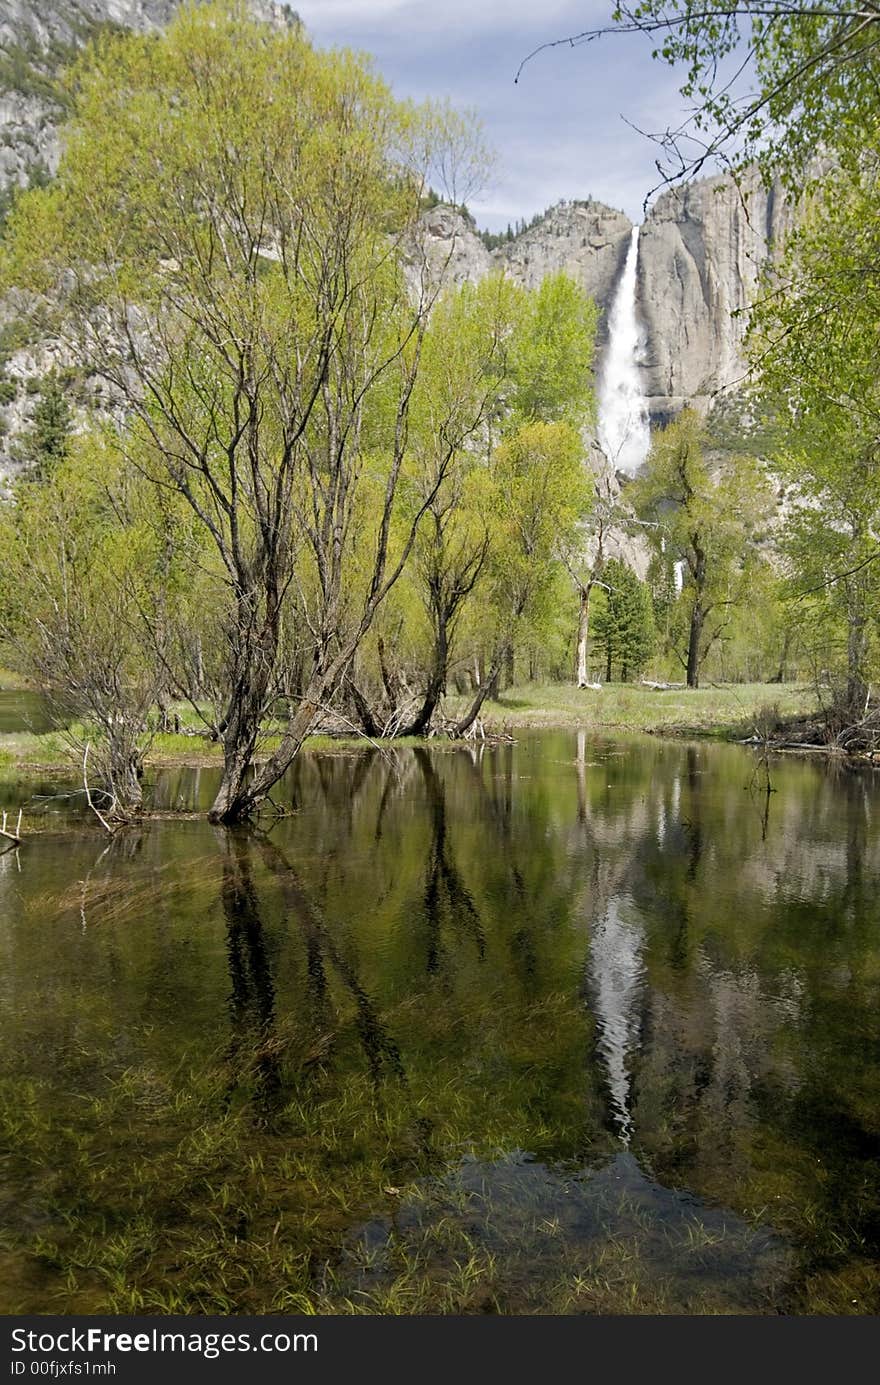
(233, 244)
(707, 518)
(47, 442)
(80, 554)
(814, 335)
(525, 356)
(541, 492)
(624, 623)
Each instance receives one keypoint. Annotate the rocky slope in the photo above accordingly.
(585, 240)
(38, 38)
(701, 250)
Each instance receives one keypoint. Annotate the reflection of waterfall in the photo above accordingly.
(617, 972)
(624, 434)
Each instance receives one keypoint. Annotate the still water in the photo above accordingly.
(563, 1026)
(22, 710)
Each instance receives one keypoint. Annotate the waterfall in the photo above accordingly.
(624, 434)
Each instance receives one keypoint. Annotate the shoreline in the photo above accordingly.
(751, 715)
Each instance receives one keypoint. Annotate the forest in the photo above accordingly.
(291, 471)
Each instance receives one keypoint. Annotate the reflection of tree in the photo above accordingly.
(445, 892)
(252, 999)
(378, 1045)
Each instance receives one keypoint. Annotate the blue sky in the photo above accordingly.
(560, 132)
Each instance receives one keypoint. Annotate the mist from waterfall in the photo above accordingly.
(624, 433)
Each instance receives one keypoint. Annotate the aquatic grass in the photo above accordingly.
(174, 1141)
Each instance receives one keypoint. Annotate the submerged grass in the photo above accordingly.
(194, 1192)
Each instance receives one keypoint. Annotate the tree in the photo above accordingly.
(46, 443)
(804, 73)
(528, 354)
(814, 336)
(233, 243)
(708, 518)
(542, 493)
(79, 556)
(624, 624)
(465, 371)
(584, 557)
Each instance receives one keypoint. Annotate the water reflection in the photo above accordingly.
(565, 964)
(252, 997)
(617, 983)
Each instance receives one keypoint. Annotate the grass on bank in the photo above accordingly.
(10, 681)
(727, 711)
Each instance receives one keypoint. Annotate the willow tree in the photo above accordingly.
(232, 246)
(541, 492)
(523, 356)
(81, 561)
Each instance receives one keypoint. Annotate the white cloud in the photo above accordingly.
(464, 16)
(559, 132)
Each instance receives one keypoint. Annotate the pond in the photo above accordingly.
(565, 1026)
(24, 710)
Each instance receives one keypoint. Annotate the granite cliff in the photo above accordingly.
(701, 247)
(38, 39)
(701, 251)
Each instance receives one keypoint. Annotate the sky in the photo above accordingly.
(561, 132)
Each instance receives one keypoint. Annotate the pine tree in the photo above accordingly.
(624, 624)
(46, 443)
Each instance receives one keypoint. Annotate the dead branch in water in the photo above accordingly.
(97, 812)
(13, 838)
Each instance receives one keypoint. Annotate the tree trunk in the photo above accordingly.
(365, 716)
(582, 670)
(436, 683)
(489, 683)
(779, 676)
(255, 661)
(696, 633)
(856, 652)
(698, 615)
(237, 798)
(124, 762)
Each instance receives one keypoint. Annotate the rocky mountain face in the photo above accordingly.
(585, 240)
(38, 39)
(701, 251)
(701, 247)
